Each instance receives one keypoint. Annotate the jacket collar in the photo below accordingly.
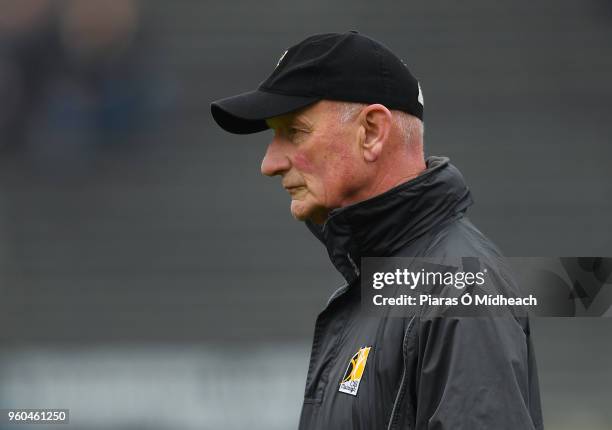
(383, 225)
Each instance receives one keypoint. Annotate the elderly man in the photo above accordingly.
(348, 144)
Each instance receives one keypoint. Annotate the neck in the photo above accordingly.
(388, 177)
(387, 224)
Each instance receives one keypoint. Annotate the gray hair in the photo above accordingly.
(408, 124)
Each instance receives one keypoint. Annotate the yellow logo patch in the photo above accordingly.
(354, 371)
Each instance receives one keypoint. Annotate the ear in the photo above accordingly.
(376, 121)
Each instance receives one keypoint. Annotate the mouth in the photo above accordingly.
(294, 189)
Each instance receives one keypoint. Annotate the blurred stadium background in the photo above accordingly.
(150, 278)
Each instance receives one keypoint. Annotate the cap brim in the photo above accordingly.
(246, 113)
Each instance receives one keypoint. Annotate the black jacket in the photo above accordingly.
(416, 373)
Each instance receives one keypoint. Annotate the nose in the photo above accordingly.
(276, 160)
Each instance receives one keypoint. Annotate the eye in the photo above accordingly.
(294, 132)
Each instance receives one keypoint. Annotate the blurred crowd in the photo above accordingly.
(72, 79)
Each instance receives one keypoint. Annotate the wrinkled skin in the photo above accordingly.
(319, 161)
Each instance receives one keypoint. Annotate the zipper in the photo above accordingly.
(402, 388)
(322, 320)
(341, 290)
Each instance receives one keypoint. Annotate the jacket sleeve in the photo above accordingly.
(474, 373)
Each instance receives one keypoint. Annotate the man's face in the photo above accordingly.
(317, 157)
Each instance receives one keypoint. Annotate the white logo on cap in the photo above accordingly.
(281, 58)
(420, 95)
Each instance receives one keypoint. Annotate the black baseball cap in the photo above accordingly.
(334, 66)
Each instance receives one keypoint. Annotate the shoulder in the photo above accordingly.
(461, 238)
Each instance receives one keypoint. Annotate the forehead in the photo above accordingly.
(310, 115)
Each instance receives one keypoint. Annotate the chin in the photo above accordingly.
(300, 215)
(302, 211)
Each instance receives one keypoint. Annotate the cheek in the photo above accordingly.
(329, 169)
(320, 170)
(329, 157)
(342, 165)
(302, 162)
